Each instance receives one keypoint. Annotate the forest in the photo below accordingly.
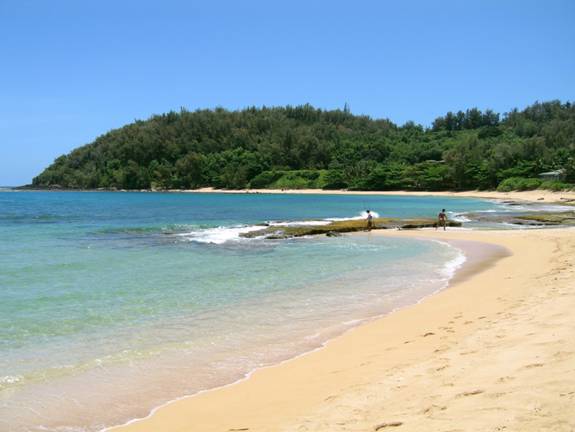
(306, 147)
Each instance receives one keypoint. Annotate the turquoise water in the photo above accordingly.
(113, 303)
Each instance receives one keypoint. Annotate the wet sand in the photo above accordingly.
(494, 351)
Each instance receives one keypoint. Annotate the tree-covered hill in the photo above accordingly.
(297, 147)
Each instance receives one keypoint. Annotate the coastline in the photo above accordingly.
(538, 195)
(307, 393)
(530, 196)
(477, 256)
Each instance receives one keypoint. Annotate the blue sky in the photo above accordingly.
(72, 70)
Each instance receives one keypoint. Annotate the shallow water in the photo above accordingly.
(113, 303)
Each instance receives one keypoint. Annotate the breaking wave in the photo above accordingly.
(224, 234)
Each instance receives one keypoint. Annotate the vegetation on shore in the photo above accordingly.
(524, 184)
(305, 147)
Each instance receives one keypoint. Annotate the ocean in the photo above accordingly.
(112, 304)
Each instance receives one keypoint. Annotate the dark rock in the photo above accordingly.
(339, 227)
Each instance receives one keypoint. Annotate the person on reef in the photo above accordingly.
(441, 219)
(369, 220)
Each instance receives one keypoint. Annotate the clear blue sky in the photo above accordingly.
(72, 70)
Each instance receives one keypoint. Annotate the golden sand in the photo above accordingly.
(494, 352)
(544, 196)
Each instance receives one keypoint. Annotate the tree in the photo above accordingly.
(310, 146)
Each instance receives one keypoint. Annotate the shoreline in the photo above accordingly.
(538, 195)
(478, 256)
(210, 410)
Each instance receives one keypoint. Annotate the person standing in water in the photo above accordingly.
(369, 220)
(441, 219)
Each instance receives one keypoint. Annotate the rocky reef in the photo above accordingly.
(345, 226)
(562, 218)
(527, 218)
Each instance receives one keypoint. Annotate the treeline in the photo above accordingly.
(299, 147)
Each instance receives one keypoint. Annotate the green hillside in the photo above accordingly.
(305, 147)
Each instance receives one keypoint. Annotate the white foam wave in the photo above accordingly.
(548, 208)
(10, 379)
(300, 223)
(451, 267)
(223, 234)
(219, 235)
(506, 207)
(521, 227)
(458, 217)
(361, 216)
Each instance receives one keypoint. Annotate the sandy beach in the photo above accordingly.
(495, 351)
(534, 195)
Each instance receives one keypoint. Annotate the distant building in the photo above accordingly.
(553, 175)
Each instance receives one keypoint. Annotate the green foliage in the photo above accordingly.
(296, 179)
(470, 119)
(305, 147)
(555, 185)
(518, 184)
(265, 179)
(335, 179)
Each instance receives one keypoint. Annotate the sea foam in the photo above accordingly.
(219, 235)
(223, 234)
